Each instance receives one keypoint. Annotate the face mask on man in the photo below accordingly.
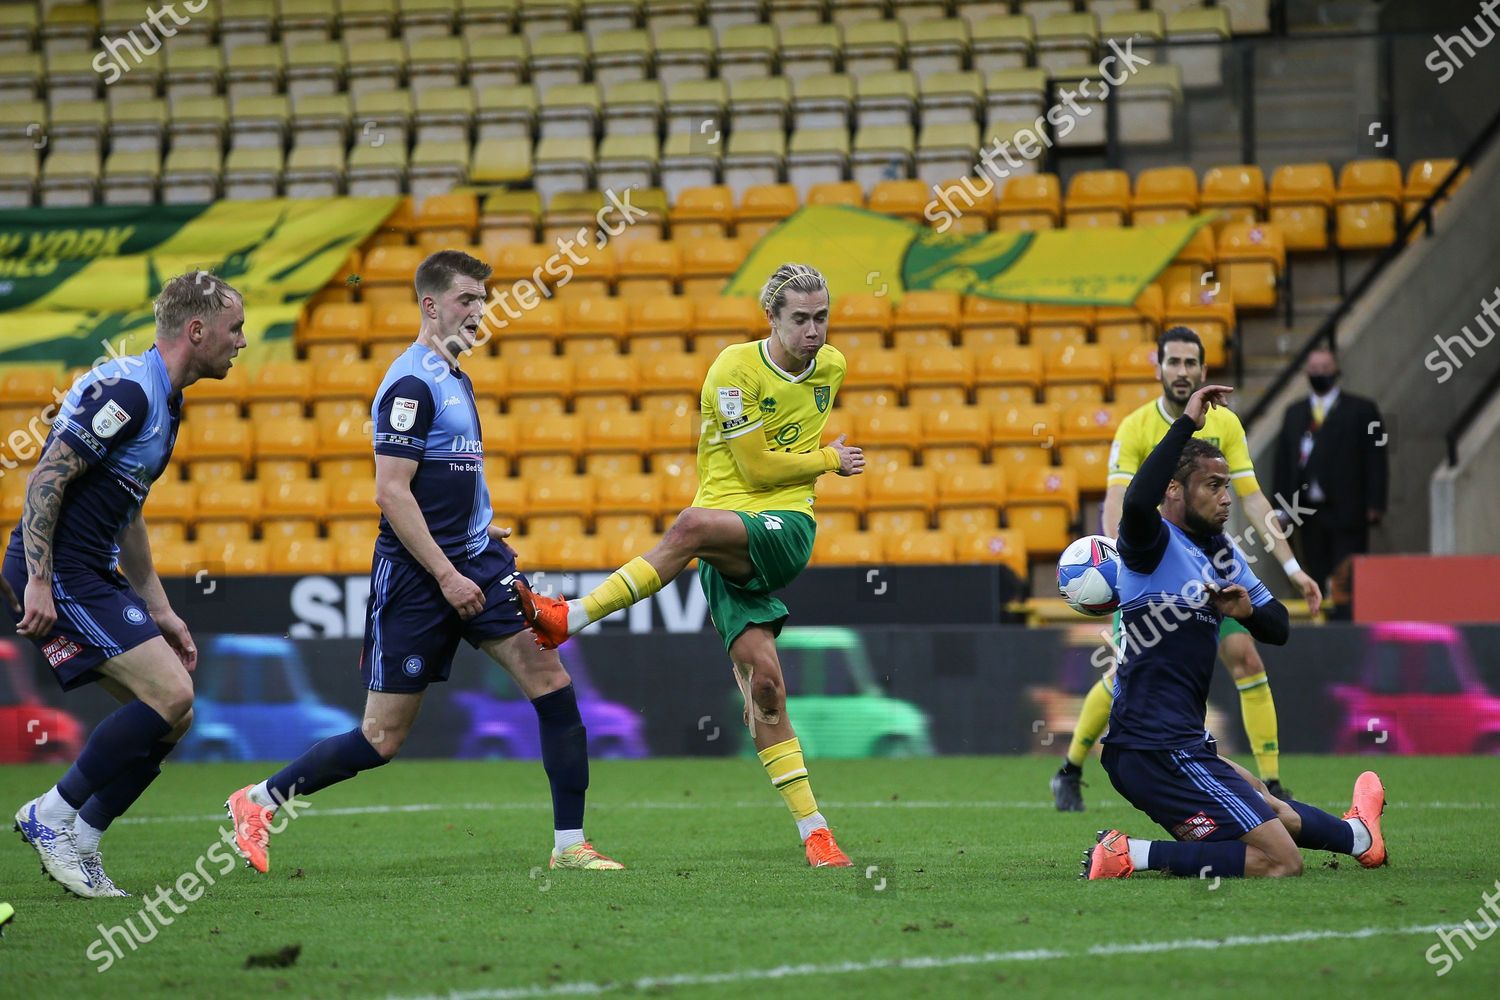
(1322, 383)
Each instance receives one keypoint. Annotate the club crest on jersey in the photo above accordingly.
(403, 413)
(135, 615)
(821, 394)
(412, 666)
(110, 418)
(731, 402)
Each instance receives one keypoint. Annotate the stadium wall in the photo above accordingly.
(1389, 688)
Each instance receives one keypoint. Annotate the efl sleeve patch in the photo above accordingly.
(403, 413)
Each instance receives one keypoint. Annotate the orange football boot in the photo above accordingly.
(547, 616)
(1367, 805)
(822, 852)
(1109, 858)
(251, 839)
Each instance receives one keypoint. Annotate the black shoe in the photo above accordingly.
(1066, 791)
(1274, 786)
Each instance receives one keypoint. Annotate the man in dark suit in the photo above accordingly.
(1331, 457)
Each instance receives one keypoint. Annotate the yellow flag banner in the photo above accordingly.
(76, 284)
(863, 251)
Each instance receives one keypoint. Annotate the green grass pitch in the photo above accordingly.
(426, 878)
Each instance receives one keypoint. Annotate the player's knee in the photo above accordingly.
(387, 742)
(689, 529)
(175, 701)
(1289, 866)
(767, 690)
(181, 728)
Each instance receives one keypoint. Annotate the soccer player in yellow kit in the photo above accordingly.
(764, 406)
(1179, 353)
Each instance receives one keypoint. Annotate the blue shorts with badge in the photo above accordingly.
(412, 632)
(98, 617)
(1192, 793)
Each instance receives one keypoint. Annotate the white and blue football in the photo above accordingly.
(1087, 573)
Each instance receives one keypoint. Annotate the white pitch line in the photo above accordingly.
(767, 803)
(922, 963)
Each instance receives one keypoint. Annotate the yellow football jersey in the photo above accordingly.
(1145, 427)
(745, 393)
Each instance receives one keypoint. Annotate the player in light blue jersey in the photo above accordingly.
(81, 560)
(441, 573)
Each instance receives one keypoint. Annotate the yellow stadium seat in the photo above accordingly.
(1368, 204)
(841, 493)
(648, 269)
(739, 316)
(893, 428)
(561, 495)
(1043, 504)
(1031, 201)
(1133, 361)
(1164, 194)
(1300, 203)
(1007, 548)
(1251, 261)
(1054, 326)
(281, 380)
(1089, 464)
(860, 548)
(991, 322)
(874, 369)
(388, 274)
(228, 500)
(166, 532)
(352, 499)
(1424, 178)
(674, 374)
(960, 519)
(214, 534)
(507, 493)
(659, 325)
(1134, 394)
(952, 430)
(893, 523)
(178, 559)
(608, 375)
(633, 494)
(29, 385)
(935, 313)
(1193, 261)
(837, 521)
(761, 209)
(902, 198)
(302, 557)
(703, 212)
(341, 322)
(961, 205)
(1209, 312)
(837, 193)
(1238, 193)
(561, 434)
(217, 448)
(1023, 435)
(448, 220)
(708, 263)
(1007, 368)
(1087, 364)
(594, 317)
(1098, 198)
(951, 368)
(926, 548)
(901, 488)
(284, 448)
(1130, 324)
(1089, 423)
(618, 432)
(353, 547)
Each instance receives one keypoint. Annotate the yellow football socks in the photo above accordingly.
(1092, 720)
(788, 772)
(1259, 712)
(635, 580)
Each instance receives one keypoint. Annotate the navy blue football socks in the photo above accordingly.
(335, 759)
(110, 802)
(1322, 831)
(123, 740)
(565, 755)
(1199, 858)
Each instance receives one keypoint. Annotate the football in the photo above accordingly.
(1086, 575)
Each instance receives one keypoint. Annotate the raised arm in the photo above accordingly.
(764, 468)
(59, 466)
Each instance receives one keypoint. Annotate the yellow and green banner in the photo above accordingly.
(76, 283)
(863, 251)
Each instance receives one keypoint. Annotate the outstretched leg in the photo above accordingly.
(717, 537)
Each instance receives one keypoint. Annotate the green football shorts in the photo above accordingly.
(781, 543)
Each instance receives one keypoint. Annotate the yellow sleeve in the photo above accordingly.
(1237, 453)
(763, 468)
(1125, 455)
(732, 392)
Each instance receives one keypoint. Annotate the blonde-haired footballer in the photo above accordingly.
(764, 406)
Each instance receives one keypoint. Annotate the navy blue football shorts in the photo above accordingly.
(412, 632)
(98, 618)
(1191, 793)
